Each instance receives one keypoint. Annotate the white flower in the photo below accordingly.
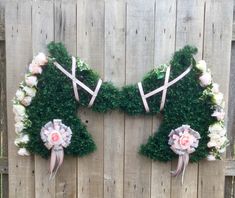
(31, 80)
(211, 158)
(217, 98)
(219, 115)
(30, 91)
(17, 142)
(215, 88)
(201, 65)
(35, 69)
(20, 94)
(19, 110)
(211, 144)
(205, 79)
(19, 126)
(222, 150)
(27, 101)
(40, 59)
(19, 118)
(24, 139)
(217, 129)
(23, 152)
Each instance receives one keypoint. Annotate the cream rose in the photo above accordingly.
(19, 126)
(19, 118)
(23, 152)
(215, 88)
(20, 94)
(35, 69)
(31, 81)
(205, 79)
(40, 59)
(201, 65)
(218, 98)
(19, 110)
(211, 158)
(30, 91)
(27, 101)
(217, 129)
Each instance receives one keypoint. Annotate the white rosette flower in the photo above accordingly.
(23, 152)
(26, 101)
(19, 110)
(30, 91)
(40, 59)
(201, 65)
(19, 126)
(217, 98)
(205, 79)
(35, 68)
(20, 94)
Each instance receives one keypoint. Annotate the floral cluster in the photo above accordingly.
(217, 131)
(183, 140)
(23, 98)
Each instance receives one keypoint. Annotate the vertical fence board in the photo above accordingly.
(90, 46)
(217, 48)
(115, 21)
(66, 32)
(139, 60)
(43, 33)
(19, 53)
(164, 48)
(190, 21)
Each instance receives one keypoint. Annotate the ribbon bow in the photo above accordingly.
(56, 136)
(183, 141)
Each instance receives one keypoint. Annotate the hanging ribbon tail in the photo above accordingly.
(57, 157)
(179, 167)
(185, 164)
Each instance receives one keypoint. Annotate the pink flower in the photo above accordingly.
(205, 79)
(31, 81)
(186, 140)
(35, 69)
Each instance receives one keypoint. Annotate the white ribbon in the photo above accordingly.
(162, 88)
(76, 81)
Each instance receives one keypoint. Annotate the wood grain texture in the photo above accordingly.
(189, 30)
(18, 39)
(139, 60)
(90, 47)
(43, 33)
(66, 32)
(115, 25)
(217, 48)
(164, 48)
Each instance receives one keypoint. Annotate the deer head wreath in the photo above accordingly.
(183, 91)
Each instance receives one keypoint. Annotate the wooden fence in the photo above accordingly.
(121, 39)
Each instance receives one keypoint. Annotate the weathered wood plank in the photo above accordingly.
(3, 165)
(43, 33)
(190, 21)
(66, 32)
(115, 21)
(18, 39)
(164, 48)
(90, 47)
(217, 50)
(139, 60)
(2, 20)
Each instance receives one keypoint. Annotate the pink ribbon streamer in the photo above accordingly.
(56, 136)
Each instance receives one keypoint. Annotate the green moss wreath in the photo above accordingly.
(187, 102)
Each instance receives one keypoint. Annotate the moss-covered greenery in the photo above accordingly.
(55, 99)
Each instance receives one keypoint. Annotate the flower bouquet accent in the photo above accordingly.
(183, 141)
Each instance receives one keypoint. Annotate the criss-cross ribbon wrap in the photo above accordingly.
(162, 88)
(183, 141)
(56, 136)
(76, 82)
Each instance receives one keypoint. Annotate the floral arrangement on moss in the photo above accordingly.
(47, 94)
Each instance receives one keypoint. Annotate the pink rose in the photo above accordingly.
(186, 140)
(31, 81)
(26, 101)
(35, 69)
(205, 79)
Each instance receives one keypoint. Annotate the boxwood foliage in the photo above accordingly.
(55, 100)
